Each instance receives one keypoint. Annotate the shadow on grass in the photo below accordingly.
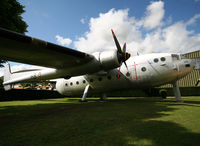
(114, 122)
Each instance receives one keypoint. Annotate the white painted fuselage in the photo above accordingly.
(143, 71)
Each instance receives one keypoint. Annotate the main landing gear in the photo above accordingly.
(83, 99)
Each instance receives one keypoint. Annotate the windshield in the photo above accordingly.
(175, 57)
(184, 57)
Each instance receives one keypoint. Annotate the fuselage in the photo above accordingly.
(143, 71)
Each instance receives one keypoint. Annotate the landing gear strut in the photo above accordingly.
(177, 93)
(83, 99)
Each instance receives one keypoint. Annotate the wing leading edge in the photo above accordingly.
(25, 49)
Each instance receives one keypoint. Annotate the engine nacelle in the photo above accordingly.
(108, 59)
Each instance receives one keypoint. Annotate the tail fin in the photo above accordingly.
(7, 76)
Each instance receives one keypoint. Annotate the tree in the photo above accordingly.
(10, 17)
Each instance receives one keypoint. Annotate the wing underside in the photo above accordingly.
(20, 48)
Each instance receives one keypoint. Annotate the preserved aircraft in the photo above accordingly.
(81, 72)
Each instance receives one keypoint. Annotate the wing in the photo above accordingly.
(20, 48)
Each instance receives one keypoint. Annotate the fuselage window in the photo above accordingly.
(71, 83)
(155, 60)
(91, 80)
(128, 74)
(109, 77)
(66, 84)
(143, 69)
(77, 82)
(162, 58)
(84, 81)
(100, 79)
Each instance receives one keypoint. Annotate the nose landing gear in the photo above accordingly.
(177, 93)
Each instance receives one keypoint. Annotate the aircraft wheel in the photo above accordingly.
(163, 94)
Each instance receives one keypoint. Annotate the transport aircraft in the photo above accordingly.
(82, 73)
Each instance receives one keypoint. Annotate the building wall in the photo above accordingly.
(191, 79)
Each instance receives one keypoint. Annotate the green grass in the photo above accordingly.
(117, 121)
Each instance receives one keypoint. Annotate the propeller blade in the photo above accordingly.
(124, 48)
(116, 42)
(122, 54)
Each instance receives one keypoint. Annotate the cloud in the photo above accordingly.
(82, 21)
(99, 37)
(154, 15)
(63, 41)
(158, 35)
(193, 19)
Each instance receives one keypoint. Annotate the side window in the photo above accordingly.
(156, 60)
(143, 69)
(162, 59)
(128, 74)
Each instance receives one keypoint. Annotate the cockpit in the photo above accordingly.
(179, 57)
(175, 57)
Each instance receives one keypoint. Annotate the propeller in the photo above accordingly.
(122, 54)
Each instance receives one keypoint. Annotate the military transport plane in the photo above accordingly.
(82, 73)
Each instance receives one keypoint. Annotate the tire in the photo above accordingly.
(163, 94)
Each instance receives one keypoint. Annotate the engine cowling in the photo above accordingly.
(108, 59)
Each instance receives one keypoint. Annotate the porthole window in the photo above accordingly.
(71, 83)
(91, 80)
(155, 60)
(100, 79)
(66, 84)
(128, 74)
(143, 69)
(77, 82)
(84, 81)
(109, 77)
(162, 58)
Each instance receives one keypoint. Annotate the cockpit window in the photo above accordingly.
(184, 57)
(175, 57)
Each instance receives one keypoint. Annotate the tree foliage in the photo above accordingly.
(10, 17)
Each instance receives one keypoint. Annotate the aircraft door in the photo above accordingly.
(175, 61)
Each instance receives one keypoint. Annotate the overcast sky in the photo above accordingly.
(146, 26)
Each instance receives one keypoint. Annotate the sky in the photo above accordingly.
(146, 26)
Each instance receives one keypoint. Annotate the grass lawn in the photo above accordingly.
(117, 121)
